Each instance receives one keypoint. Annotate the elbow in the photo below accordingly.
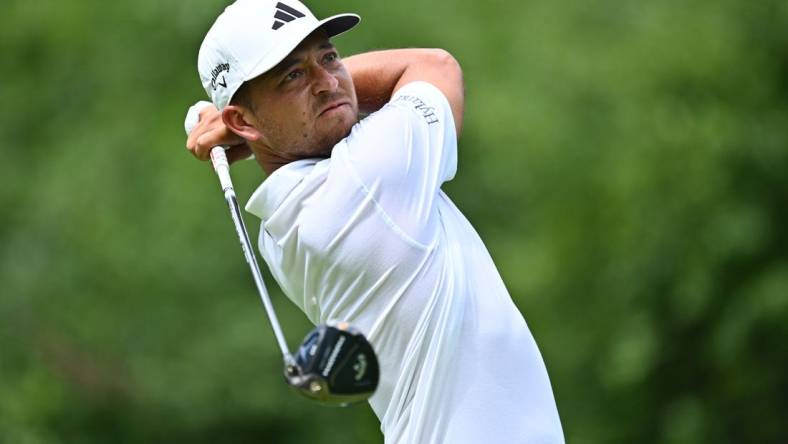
(442, 70)
(446, 61)
(451, 83)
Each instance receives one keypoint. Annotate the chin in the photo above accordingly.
(339, 131)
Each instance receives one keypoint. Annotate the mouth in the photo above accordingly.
(333, 107)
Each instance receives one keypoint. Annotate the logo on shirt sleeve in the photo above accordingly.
(427, 112)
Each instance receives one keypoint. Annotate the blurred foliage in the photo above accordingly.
(625, 162)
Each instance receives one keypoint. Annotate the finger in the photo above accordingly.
(238, 152)
(207, 112)
(206, 141)
(219, 135)
(191, 139)
(209, 119)
(203, 127)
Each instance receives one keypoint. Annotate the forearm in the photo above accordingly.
(375, 74)
(378, 74)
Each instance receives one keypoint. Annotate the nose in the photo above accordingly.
(323, 81)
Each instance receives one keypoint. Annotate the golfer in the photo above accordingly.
(355, 226)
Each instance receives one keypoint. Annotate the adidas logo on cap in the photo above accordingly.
(285, 14)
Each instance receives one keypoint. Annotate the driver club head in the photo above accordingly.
(335, 365)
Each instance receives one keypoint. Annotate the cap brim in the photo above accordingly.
(340, 23)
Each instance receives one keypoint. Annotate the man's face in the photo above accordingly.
(307, 103)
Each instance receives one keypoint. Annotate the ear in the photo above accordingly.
(239, 120)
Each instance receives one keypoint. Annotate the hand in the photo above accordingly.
(210, 132)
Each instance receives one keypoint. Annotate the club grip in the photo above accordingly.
(222, 167)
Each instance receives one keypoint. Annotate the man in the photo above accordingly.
(356, 228)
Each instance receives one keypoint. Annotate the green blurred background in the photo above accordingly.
(626, 163)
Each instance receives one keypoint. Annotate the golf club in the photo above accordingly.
(335, 364)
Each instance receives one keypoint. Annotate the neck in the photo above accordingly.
(270, 160)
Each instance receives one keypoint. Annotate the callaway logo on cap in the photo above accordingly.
(237, 48)
(215, 73)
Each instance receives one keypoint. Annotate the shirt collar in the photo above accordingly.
(273, 191)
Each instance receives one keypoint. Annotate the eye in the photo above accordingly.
(292, 75)
(331, 57)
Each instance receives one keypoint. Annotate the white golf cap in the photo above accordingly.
(252, 36)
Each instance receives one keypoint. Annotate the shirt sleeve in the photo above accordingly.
(402, 154)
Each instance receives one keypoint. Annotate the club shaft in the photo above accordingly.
(246, 246)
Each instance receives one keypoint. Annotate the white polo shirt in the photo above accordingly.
(368, 237)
